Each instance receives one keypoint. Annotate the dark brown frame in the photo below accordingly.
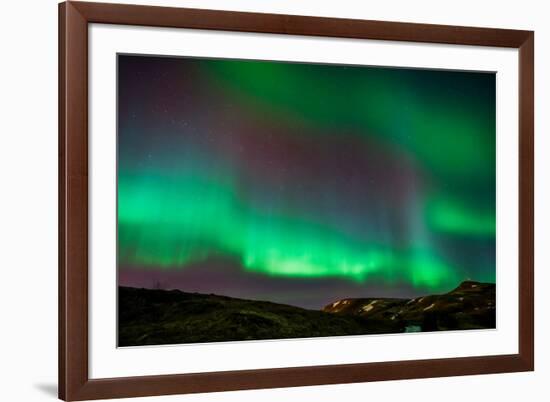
(74, 383)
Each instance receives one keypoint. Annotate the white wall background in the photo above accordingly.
(28, 199)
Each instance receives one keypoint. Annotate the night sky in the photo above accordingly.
(303, 183)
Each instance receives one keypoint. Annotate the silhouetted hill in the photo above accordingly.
(154, 317)
(470, 306)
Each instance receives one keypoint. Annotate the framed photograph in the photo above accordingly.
(258, 200)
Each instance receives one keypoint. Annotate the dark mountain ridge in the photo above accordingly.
(155, 317)
(469, 306)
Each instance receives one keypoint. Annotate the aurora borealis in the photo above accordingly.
(303, 183)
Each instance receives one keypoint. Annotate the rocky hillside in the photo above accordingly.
(470, 306)
(156, 317)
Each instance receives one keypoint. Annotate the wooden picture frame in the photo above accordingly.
(74, 381)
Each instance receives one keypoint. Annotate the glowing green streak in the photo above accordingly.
(448, 135)
(448, 215)
(169, 221)
(189, 212)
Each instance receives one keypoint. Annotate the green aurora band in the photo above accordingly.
(189, 205)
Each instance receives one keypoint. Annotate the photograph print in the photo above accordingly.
(265, 200)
